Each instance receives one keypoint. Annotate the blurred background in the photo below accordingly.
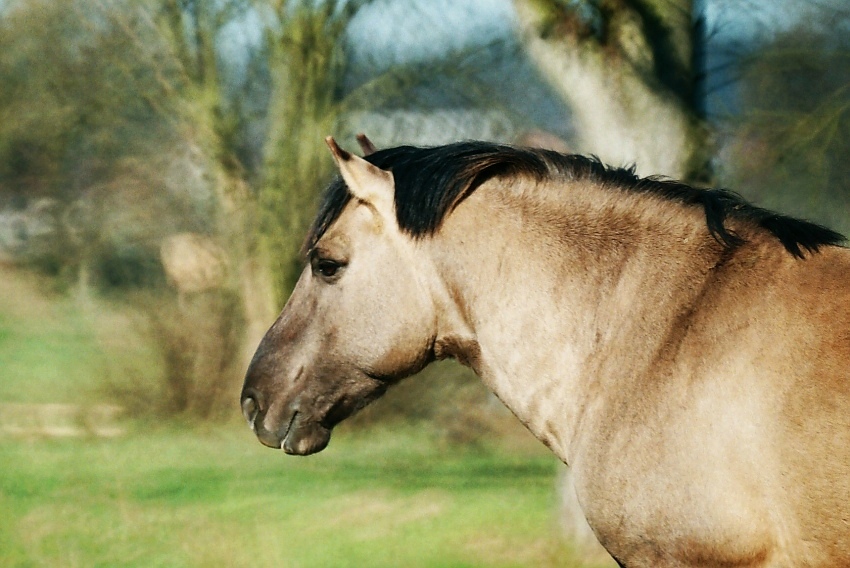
(160, 161)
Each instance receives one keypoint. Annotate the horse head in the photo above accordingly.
(360, 318)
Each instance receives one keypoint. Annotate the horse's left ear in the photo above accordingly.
(367, 182)
(366, 145)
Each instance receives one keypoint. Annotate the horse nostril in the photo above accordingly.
(250, 408)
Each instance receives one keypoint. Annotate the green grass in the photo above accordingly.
(217, 498)
(45, 361)
(54, 350)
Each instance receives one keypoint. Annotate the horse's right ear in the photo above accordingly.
(367, 182)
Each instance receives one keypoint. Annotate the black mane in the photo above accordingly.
(431, 182)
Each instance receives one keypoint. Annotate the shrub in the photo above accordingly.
(197, 340)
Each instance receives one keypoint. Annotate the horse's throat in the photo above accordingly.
(465, 350)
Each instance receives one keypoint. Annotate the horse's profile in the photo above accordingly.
(686, 353)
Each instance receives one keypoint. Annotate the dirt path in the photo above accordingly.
(60, 420)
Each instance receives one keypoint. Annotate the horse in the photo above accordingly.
(684, 351)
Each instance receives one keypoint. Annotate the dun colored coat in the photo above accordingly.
(685, 352)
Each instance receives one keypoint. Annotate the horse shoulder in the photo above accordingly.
(753, 410)
(815, 410)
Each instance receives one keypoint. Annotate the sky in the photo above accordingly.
(391, 32)
(386, 33)
(410, 31)
(403, 31)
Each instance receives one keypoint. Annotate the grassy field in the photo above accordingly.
(56, 350)
(172, 497)
(210, 495)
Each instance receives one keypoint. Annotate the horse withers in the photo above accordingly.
(685, 352)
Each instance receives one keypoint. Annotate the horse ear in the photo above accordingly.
(366, 145)
(367, 182)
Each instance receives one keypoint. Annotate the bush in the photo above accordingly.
(122, 267)
(197, 340)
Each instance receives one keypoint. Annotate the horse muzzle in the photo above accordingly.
(289, 431)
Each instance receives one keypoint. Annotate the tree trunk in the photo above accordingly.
(308, 69)
(624, 111)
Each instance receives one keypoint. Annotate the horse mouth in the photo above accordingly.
(288, 430)
(303, 439)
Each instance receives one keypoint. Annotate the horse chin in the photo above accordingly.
(305, 439)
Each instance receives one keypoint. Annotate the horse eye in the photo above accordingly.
(327, 268)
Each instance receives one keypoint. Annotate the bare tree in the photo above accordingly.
(304, 47)
(76, 128)
(788, 148)
(626, 68)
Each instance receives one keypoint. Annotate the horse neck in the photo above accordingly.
(539, 292)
